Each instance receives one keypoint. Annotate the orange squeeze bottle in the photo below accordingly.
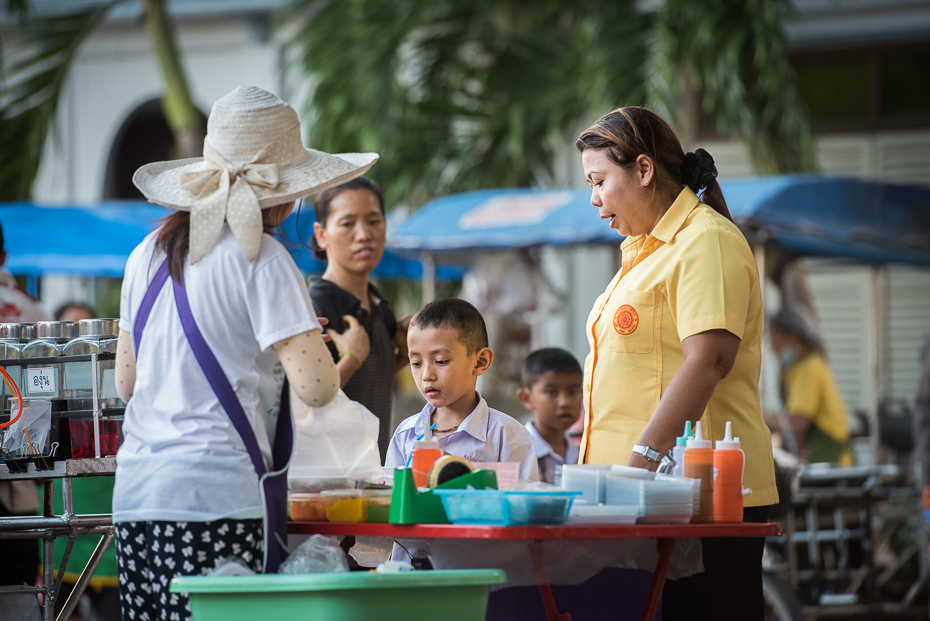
(699, 464)
(729, 463)
(425, 452)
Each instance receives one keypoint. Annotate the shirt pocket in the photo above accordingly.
(631, 328)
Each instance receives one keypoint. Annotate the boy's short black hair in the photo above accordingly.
(548, 359)
(454, 313)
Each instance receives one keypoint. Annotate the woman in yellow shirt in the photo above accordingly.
(812, 400)
(676, 336)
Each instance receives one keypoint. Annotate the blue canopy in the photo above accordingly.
(96, 241)
(810, 214)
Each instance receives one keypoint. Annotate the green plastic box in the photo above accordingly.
(441, 595)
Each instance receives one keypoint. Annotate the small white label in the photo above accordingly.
(41, 381)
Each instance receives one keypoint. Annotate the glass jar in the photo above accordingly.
(97, 336)
(45, 380)
(13, 337)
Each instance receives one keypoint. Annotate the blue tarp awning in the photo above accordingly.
(97, 241)
(810, 214)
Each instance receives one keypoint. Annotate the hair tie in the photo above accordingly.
(699, 170)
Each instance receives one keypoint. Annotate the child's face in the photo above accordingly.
(443, 369)
(555, 400)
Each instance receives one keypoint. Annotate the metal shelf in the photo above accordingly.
(63, 469)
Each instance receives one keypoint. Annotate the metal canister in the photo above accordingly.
(45, 380)
(13, 337)
(96, 336)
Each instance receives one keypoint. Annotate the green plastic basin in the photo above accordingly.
(442, 595)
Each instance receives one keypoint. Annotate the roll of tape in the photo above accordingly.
(447, 468)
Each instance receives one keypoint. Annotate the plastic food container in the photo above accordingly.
(377, 504)
(307, 507)
(440, 595)
(506, 508)
(586, 479)
(603, 514)
(344, 505)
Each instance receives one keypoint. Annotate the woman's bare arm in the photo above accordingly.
(709, 357)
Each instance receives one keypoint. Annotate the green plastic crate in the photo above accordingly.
(441, 595)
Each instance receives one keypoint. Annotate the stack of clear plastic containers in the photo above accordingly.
(620, 494)
(44, 379)
(13, 338)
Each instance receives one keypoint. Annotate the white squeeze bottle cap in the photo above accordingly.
(729, 443)
(427, 442)
(698, 441)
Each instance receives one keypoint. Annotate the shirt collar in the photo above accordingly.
(475, 424)
(543, 448)
(343, 298)
(675, 217)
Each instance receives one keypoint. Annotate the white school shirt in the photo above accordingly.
(485, 435)
(549, 459)
(182, 459)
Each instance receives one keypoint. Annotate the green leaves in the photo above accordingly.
(465, 94)
(459, 95)
(30, 88)
(735, 54)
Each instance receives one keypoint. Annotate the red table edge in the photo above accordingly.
(534, 533)
(664, 533)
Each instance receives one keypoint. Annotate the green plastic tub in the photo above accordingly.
(453, 595)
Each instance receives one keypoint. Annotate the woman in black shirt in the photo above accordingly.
(368, 343)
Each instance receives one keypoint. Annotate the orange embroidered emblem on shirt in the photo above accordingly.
(626, 320)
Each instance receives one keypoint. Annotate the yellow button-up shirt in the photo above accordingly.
(693, 273)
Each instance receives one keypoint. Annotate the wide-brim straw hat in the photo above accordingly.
(254, 148)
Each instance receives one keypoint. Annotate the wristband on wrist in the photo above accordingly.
(648, 452)
(349, 352)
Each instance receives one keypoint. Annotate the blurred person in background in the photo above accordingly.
(20, 557)
(812, 401)
(368, 343)
(74, 311)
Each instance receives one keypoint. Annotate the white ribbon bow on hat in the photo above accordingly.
(225, 193)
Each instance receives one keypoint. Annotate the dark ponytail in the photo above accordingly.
(626, 133)
(175, 233)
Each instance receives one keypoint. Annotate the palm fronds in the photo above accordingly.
(30, 89)
(456, 94)
(462, 94)
(735, 54)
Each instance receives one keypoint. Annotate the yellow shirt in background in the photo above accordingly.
(693, 273)
(811, 391)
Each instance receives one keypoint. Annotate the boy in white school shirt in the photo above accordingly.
(448, 348)
(552, 391)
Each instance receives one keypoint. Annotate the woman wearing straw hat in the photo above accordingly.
(215, 322)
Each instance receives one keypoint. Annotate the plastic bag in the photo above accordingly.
(317, 555)
(335, 446)
(29, 435)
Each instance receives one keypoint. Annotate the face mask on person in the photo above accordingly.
(788, 358)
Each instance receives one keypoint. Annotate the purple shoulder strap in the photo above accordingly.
(148, 301)
(274, 486)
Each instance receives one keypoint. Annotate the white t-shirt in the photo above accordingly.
(182, 459)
